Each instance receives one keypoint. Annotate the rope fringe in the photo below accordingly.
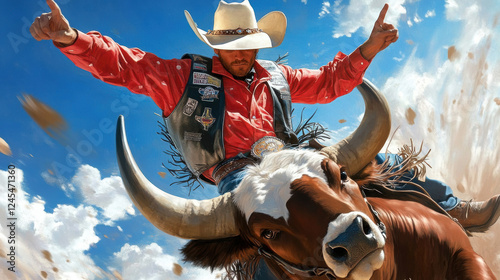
(412, 165)
(179, 168)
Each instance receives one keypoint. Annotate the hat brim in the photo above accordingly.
(273, 26)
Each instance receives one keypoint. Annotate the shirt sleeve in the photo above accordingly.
(141, 72)
(324, 85)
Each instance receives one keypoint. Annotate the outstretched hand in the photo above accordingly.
(53, 26)
(383, 34)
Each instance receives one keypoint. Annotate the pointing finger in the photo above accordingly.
(381, 16)
(54, 8)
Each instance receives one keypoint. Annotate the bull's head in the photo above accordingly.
(307, 214)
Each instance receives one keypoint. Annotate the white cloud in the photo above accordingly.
(400, 58)
(54, 243)
(430, 13)
(149, 262)
(304, 1)
(325, 9)
(417, 18)
(351, 17)
(50, 178)
(108, 194)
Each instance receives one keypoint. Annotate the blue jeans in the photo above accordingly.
(231, 181)
(438, 191)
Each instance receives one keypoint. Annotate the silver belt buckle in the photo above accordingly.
(265, 145)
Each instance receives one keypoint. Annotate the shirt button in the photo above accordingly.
(254, 117)
(362, 63)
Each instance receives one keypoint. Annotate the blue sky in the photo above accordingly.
(70, 200)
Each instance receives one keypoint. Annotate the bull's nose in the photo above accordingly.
(355, 243)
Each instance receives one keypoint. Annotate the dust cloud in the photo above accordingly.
(458, 120)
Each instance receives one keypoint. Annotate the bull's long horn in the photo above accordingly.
(185, 218)
(356, 150)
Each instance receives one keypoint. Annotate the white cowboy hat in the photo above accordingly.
(235, 28)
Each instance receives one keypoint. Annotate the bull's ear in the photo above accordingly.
(369, 174)
(219, 253)
(332, 172)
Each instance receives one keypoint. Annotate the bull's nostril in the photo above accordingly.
(357, 240)
(337, 253)
(367, 230)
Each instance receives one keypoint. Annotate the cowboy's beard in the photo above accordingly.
(238, 67)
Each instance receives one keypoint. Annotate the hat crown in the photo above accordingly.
(234, 15)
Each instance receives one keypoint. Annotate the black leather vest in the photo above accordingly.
(196, 123)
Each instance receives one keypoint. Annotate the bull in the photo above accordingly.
(308, 216)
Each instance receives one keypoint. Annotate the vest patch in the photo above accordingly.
(202, 59)
(209, 94)
(285, 94)
(200, 66)
(207, 120)
(206, 79)
(190, 107)
(192, 136)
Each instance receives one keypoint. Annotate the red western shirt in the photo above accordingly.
(249, 109)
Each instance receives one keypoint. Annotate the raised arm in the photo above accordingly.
(53, 26)
(383, 34)
(141, 72)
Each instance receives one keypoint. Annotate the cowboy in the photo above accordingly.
(217, 108)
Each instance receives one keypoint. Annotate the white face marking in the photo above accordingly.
(370, 263)
(266, 186)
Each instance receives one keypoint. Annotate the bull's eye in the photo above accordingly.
(269, 234)
(343, 176)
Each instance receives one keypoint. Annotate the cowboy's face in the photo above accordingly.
(237, 62)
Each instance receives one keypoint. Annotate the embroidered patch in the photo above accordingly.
(206, 119)
(205, 79)
(198, 58)
(190, 107)
(192, 136)
(285, 94)
(199, 66)
(209, 94)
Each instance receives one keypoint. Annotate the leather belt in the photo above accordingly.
(262, 146)
(228, 166)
